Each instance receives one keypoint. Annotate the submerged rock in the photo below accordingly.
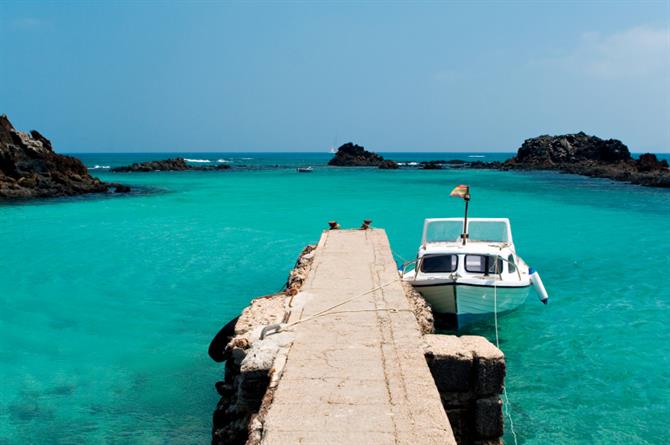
(29, 168)
(172, 164)
(432, 165)
(352, 155)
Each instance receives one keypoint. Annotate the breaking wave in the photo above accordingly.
(197, 160)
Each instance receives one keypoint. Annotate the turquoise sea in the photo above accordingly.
(108, 304)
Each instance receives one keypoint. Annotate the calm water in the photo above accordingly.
(108, 304)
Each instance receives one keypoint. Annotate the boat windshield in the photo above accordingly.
(449, 230)
(443, 231)
(492, 231)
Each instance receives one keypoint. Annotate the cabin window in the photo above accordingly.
(510, 264)
(485, 264)
(439, 263)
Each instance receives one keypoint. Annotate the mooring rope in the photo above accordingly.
(404, 260)
(327, 310)
(506, 406)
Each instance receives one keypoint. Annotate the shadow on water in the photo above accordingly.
(483, 325)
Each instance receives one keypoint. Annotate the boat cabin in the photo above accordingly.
(467, 264)
(488, 248)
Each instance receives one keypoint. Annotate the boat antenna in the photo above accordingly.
(463, 191)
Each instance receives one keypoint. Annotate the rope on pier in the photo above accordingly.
(327, 310)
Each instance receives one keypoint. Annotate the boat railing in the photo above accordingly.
(409, 266)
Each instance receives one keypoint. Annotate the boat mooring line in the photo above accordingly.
(506, 399)
(327, 311)
(404, 260)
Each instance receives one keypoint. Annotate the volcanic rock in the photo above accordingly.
(29, 168)
(388, 164)
(172, 164)
(550, 151)
(352, 155)
(590, 156)
(431, 165)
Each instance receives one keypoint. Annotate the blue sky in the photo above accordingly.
(300, 76)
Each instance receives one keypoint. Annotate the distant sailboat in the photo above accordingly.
(333, 150)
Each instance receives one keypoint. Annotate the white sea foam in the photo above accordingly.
(97, 167)
(222, 160)
(197, 160)
(476, 156)
(246, 159)
(412, 163)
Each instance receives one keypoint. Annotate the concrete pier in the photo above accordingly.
(357, 373)
(347, 355)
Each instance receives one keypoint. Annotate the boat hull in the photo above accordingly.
(468, 299)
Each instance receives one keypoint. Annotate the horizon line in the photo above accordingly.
(303, 152)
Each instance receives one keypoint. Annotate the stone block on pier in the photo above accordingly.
(488, 418)
(450, 362)
(489, 365)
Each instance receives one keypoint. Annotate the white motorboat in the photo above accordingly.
(469, 267)
(308, 169)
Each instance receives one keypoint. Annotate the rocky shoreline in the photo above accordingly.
(577, 153)
(29, 168)
(251, 370)
(586, 155)
(172, 164)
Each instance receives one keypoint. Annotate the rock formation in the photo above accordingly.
(590, 156)
(432, 165)
(172, 164)
(550, 151)
(352, 155)
(29, 168)
(388, 164)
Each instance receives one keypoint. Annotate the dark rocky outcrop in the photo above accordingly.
(388, 164)
(352, 155)
(172, 164)
(432, 165)
(550, 151)
(590, 156)
(29, 168)
(648, 162)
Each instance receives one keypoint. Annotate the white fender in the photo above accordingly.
(538, 286)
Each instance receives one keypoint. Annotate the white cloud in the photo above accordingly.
(639, 52)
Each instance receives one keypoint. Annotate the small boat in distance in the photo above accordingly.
(467, 268)
(305, 169)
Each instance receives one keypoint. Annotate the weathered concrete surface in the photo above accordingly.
(469, 372)
(358, 374)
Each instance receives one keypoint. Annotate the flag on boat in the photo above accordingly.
(461, 191)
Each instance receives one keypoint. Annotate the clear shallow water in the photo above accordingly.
(109, 304)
